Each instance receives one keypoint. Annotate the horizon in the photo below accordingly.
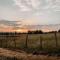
(25, 28)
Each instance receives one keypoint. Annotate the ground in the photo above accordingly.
(21, 55)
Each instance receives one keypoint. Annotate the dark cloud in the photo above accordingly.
(13, 24)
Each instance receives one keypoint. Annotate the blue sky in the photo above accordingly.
(30, 12)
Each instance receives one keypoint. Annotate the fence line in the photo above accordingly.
(26, 40)
(41, 47)
(56, 39)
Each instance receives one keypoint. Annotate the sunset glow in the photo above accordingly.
(21, 15)
(22, 30)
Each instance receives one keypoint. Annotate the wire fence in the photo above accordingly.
(35, 41)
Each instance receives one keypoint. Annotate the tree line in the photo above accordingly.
(41, 32)
(29, 32)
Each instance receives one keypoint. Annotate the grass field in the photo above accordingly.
(31, 42)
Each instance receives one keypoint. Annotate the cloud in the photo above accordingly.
(37, 4)
(45, 28)
(30, 12)
(28, 5)
(10, 24)
(22, 4)
(38, 8)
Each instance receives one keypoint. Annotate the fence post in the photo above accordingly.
(27, 40)
(15, 42)
(1, 43)
(56, 39)
(41, 47)
(14, 36)
(6, 42)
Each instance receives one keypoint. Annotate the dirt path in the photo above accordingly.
(25, 56)
(10, 53)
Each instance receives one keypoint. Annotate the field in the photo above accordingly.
(38, 41)
(31, 43)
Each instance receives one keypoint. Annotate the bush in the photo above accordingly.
(35, 32)
(58, 30)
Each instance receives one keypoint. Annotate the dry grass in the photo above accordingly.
(25, 56)
(33, 43)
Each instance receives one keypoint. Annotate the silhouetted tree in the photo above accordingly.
(40, 32)
(59, 30)
(29, 32)
(35, 32)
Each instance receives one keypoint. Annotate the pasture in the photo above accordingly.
(31, 42)
(32, 46)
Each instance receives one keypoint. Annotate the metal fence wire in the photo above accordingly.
(42, 41)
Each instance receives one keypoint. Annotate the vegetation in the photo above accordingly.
(58, 30)
(30, 42)
(8, 58)
(35, 32)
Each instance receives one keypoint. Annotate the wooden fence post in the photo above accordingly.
(41, 47)
(6, 41)
(1, 43)
(14, 36)
(7, 38)
(56, 39)
(27, 40)
(15, 41)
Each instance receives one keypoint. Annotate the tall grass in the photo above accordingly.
(31, 42)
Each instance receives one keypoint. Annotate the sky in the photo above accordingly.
(17, 13)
